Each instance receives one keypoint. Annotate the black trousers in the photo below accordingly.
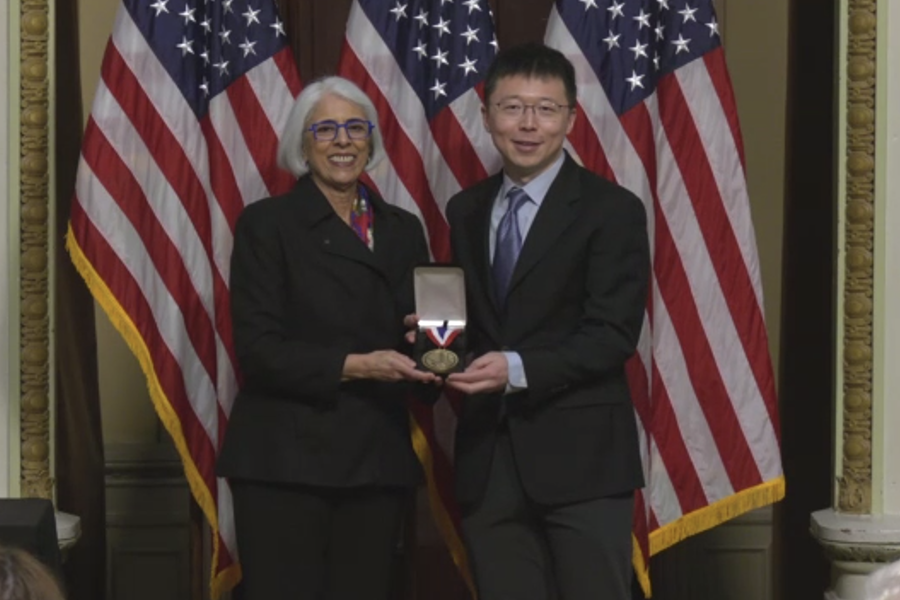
(308, 543)
(522, 550)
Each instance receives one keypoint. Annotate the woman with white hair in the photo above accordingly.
(318, 449)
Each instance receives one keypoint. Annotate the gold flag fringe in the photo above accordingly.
(438, 508)
(705, 518)
(228, 578)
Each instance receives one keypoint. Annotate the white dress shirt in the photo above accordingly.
(537, 190)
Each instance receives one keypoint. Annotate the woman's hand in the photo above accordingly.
(384, 365)
(411, 322)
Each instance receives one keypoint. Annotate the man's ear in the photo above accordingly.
(484, 118)
(573, 114)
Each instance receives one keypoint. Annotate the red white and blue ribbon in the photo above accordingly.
(442, 335)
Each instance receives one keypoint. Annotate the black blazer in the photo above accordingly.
(574, 312)
(305, 292)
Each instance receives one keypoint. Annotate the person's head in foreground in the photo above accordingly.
(23, 577)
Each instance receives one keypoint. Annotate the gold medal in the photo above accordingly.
(440, 360)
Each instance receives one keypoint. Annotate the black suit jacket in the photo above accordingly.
(573, 313)
(305, 292)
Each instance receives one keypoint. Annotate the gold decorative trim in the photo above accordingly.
(34, 198)
(855, 483)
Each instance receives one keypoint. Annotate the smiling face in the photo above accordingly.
(335, 165)
(528, 143)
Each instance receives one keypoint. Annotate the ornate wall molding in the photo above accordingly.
(860, 553)
(855, 483)
(34, 199)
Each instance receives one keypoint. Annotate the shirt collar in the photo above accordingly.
(538, 187)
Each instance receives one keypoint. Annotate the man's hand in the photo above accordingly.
(384, 365)
(487, 373)
(411, 322)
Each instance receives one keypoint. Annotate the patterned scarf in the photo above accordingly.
(362, 219)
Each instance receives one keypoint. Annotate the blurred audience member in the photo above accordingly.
(23, 577)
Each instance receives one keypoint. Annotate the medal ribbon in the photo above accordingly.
(442, 336)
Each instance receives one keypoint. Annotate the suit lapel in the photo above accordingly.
(386, 233)
(555, 215)
(335, 236)
(340, 240)
(478, 223)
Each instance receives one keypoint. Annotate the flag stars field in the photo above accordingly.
(247, 47)
(399, 11)
(643, 19)
(688, 13)
(251, 16)
(666, 30)
(223, 56)
(188, 14)
(639, 49)
(615, 10)
(186, 46)
(442, 27)
(160, 6)
(450, 35)
(469, 66)
(470, 34)
(635, 80)
(681, 44)
(472, 5)
(612, 40)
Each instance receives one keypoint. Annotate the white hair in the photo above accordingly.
(291, 155)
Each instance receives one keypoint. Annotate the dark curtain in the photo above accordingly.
(807, 366)
(79, 441)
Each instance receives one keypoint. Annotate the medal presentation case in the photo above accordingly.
(440, 292)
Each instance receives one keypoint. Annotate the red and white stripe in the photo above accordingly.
(157, 197)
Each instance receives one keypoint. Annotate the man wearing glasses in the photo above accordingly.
(557, 269)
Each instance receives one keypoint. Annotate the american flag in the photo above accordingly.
(182, 134)
(657, 115)
(422, 63)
